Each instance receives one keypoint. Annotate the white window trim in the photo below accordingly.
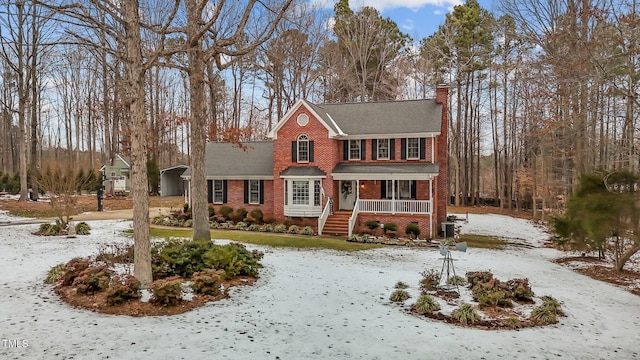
(417, 148)
(255, 193)
(359, 149)
(221, 201)
(388, 150)
(302, 138)
(301, 210)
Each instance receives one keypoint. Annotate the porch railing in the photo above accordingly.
(354, 217)
(394, 206)
(325, 215)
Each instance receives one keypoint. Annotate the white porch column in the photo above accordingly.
(393, 197)
(431, 209)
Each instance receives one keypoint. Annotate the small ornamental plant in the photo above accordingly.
(207, 282)
(167, 291)
(426, 304)
(399, 296)
(92, 279)
(466, 314)
(122, 289)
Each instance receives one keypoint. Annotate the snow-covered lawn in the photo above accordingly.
(313, 304)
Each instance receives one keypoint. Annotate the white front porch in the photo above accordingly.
(391, 206)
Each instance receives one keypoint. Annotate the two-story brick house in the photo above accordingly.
(342, 164)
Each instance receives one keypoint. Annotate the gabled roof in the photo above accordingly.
(375, 119)
(252, 160)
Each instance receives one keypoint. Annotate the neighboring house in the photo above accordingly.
(116, 176)
(171, 181)
(343, 164)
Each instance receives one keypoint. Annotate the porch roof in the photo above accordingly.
(386, 171)
(303, 171)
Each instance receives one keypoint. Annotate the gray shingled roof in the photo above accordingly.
(229, 161)
(383, 117)
(385, 171)
(308, 171)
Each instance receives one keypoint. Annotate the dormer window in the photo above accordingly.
(302, 149)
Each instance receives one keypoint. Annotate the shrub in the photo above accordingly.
(225, 211)
(267, 228)
(257, 215)
(280, 228)
(214, 225)
(188, 223)
(92, 279)
(270, 220)
(293, 229)
(426, 304)
(49, 230)
(520, 289)
(212, 211)
(72, 269)
(412, 230)
(551, 304)
(288, 222)
(180, 257)
(239, 215)
(430, 280)
(401, 285)
(241, 225)
(167, 291)
(399, 296)
(475, 277)
(159, 219)
(511, 322)
(122, 289)
(372, 224)
(308, 230)
(55, 274)
(457, 281)
(543, 314)
(207, 282)
(254, 227)
(185, 207)
(493, 297)
(391, 226)
(234, 259)
(82, 228)
(466, 314)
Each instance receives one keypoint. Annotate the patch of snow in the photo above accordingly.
(505, 227)
(319, 304)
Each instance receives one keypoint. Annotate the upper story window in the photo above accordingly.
(383, 149)
(354, 150)
(303, 148)
(413, 148)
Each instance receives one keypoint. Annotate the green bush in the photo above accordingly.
(552, 304)
(511, 322)
(280, 228)
(122, 289)
(457, 281)
(399, 295)
(430, 280)
(212, 211)
(493, 297)
(426, 304)
(239, 215)
(412, 230)
(475, 277)
(257, 215)
(82, 228)
(166, 291)
(180, 257)
(55, 273)
(207, 282)
(225, 211)
(49, 230)
(544, 314)
(254, 227)
(267, 228)
(372, 224)
(92, 279)
(234, 259)
(241, 225)
(400, 285)
(466, 314)
(390, 226)
(188, 223)
(293, 229)
(308, 230)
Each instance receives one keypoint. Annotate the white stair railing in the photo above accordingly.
(325, 215)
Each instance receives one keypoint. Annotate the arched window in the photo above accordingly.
(303, 148)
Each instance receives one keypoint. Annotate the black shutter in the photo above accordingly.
(346, 150)
(383, 189)
(413, 189)
(261, 191)
(294, 151)
(209, 191)
(392, 149)
(224, 191)
(310, 151)
(363, 149)
(403, 149)
(246, 191)
(374, 149)
(423, 148)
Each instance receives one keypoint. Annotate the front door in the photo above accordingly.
(348, 194)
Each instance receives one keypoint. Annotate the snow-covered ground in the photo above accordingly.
(312, 304)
